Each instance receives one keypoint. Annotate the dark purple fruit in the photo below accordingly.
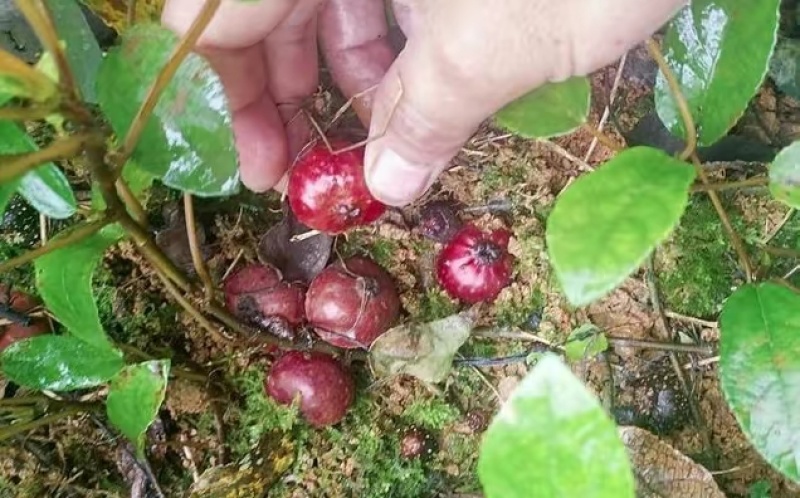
(257, 294)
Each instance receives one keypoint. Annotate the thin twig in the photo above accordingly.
(130, 200)
(690, 319)
(32, 113)
(607, 110)
(185, 45)
(757, 181)
(194, 247)
(602, 138)
(130, 17)
(783, 252)
(15, 429)
(662, 346)
(775, 231)
(77, 234)
(36, 84)
(191, 309)
(13, 166)
(701, 363)
(567, 154)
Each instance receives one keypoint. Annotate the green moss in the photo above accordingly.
(504, 177)
(383, 251)
(515, 311)
(431, 413)
(434, 304)
(696, 268)
(463, 449)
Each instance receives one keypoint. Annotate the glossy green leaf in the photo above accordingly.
(64, 281)
(550, 110)
(760, 370)
(719, 51)
(605, 224)
(83, 52)
(784, 67)
(784, 176)
(134, 397)
(552, 438)
(59, 363)
(188, 142)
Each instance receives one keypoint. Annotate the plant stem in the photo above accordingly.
(783, 252)
(15, 429)
(24, 401)
(37, 85)
(191, 309)
(680, 99)
(664, 346)
(194, 247)
(77, 234)
(33, 113)
(130, 16)
(757, 181)
(130, 200)
(13, 166)
(164, 77)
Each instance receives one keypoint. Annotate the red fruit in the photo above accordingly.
(475, 266)
(325, 387)
(257, 293)
(20, 303)
(327, 191)
(351, 303)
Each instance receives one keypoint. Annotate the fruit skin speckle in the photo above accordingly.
(327, 191)
(325, 388)
(475, 266)
(352, 302)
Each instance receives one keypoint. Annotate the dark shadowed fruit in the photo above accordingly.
(325, 388)
(19, 325)
(417, 443)
(327, 191)
(475, 265)
(351, 303)
(439, 221)
(257, 294)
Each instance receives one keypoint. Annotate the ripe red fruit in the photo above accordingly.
(351, 303)
(327, 191)
(475, 266)
(257, 293)
(20, 303)
(325, 387)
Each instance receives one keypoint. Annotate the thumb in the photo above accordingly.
(422, 114)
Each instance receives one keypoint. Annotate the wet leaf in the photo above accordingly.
(719, 51)
(664, 472)
(760, 370)
(59, 363)
(784, 67)
(64, 281)
(45, 188)
(300, 259)
(424, 350)
(188, 142)
(784, 176)
(585, 342)
(83, 52)
(552, 438)
(115, 12)
(605, 224)
(134, 398)
(551, 110)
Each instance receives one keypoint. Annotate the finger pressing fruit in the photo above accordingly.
(325, 388)
(14, 307)
(475, 265)
(257, 294)
(327, 190)
(352, 302)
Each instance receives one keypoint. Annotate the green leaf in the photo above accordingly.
(137, 179)
(760, 370)
(188, 141)
(59, 363)
(784, 67)
(719, 51)
(19, 79)
(83, 52)
(552, 438)
(134, 397)
(605, 224)
(784, 176)
(47, 189)
(585, 342)
(64, 281)
(7, 191)
(550, 110)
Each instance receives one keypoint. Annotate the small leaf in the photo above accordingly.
(18, 79)
(425, 350)
(552, 438)
(719, 51)
(605, 224)
(760, 370)
(64, 281)
(188, 141)
(134, 398)
(83, 52)
(550, 110)
(59, 363)
(47, 189)
(585, 342)
(784, 176)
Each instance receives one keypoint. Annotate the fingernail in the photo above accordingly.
(395, 181)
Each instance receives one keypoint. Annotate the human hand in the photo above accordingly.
(463, 61)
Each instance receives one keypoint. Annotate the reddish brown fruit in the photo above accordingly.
(327, 191)
(256, 293)
(417, 443)
(351, 303)
(475, 266)
(325, 388)
(20, 304)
